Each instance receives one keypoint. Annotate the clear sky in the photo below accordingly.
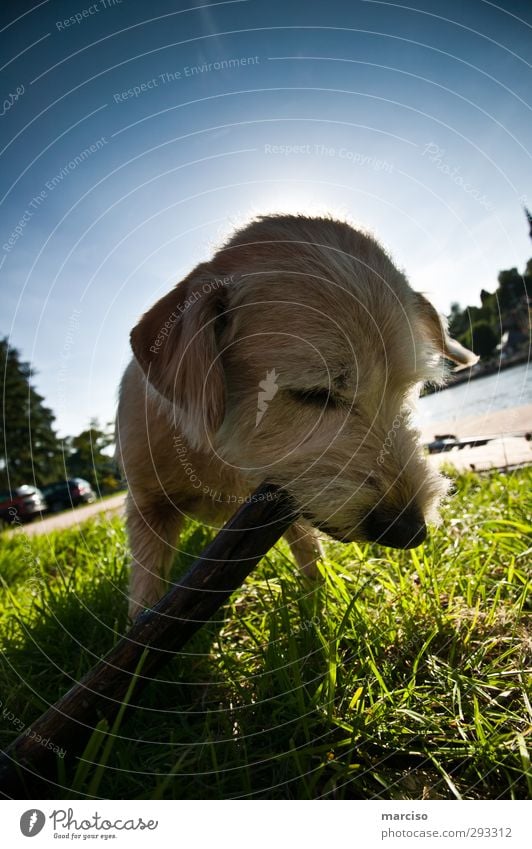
(135, 136)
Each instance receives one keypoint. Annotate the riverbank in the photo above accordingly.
(481, 369)
(507, 450)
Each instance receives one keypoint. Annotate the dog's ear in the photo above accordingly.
(176, 345)
(436, 331)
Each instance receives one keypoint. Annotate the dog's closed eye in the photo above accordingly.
(318, 396)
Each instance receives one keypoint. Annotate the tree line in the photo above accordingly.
(502, 316)
(30, 450)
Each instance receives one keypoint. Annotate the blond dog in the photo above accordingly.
(293, 357)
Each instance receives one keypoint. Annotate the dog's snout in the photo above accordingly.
(406, 530)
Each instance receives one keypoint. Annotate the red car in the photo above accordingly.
(21, 505)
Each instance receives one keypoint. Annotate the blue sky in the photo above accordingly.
(131, 146)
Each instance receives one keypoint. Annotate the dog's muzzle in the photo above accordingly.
(407, 530)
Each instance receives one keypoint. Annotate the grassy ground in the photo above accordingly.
(402, 676)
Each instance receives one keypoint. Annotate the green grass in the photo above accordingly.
(402, 676)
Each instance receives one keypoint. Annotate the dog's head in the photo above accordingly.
(295, 356)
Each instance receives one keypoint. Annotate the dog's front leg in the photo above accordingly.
(306, 548)
(152, 531)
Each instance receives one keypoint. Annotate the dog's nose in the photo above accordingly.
(407, 530)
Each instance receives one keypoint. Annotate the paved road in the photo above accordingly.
(109, 506)
(507, 450)
(498, 454)
(501, 422)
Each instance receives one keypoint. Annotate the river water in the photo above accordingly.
(509, 388)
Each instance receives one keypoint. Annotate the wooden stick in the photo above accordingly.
(154, 638)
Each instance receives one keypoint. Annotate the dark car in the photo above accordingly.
(443, 442)
(448, 441)
(21, 505)
(68, 493)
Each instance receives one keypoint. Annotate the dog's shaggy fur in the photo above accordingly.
(293, 357)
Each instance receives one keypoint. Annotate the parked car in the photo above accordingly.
(448, 442)
(68, 493)
(443, 442)
(21, 505)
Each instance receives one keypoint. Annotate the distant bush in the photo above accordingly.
(482, 339)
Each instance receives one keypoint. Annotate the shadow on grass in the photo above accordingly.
(398, 677)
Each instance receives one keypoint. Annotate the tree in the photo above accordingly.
(527, 277)
(511, 288)
(529, 219)
(506, 309)
(87, 458)
(461, 321)
(30, 452)
(458, 322)
(482, 339)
